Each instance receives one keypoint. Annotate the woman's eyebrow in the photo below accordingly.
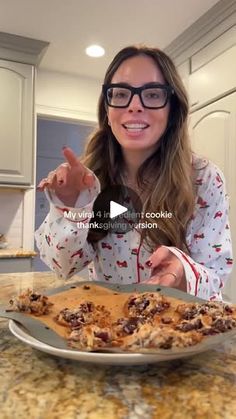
(121, 83)
(148, 84)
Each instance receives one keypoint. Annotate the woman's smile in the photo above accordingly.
(136, 122)
(135, 127)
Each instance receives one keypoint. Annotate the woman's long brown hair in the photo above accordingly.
(166, 174)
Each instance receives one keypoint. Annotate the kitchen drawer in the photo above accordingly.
(12, 265)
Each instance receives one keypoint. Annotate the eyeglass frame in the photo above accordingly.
(138, 90)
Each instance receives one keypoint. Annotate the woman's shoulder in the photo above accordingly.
(206, 172)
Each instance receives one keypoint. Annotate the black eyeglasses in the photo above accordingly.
(152, 95)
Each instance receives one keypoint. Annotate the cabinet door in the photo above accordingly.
(16, 123)
(213, 130)
(11, 265)
(214, 79)
(184, 72)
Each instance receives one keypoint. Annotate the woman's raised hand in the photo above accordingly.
(68, 179)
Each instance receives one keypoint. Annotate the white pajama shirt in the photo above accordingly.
(120, 258)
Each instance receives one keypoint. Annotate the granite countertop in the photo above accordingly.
(38, 385)
(16, 253)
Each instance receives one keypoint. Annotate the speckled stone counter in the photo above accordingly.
(36, 385)
(16, 253)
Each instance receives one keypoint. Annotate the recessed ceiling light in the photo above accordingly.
(95, 51)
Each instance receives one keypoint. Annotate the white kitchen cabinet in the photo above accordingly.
(213, 49)
(11, 265)
(213, 80)
(184, 71)
(213, 133)
(16, 123)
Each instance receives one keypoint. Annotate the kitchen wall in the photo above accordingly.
(67, 96)
(52, 135)
(59, 96)
(11, 220)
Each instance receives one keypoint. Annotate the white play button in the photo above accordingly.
(116, 209)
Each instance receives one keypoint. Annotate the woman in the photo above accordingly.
(142, 142)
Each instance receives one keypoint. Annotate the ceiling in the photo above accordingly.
(71, 25)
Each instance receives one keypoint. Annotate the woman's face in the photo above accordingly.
(136, 127)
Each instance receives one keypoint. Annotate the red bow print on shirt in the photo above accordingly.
(202, 203)
(48, 240)
(229, 261)
(106, 246)
(119, 236)
(219, 180)
(218, 214)
(199, 236)
(56, 263)
(72, 270)
(122, 264)
(79, 253)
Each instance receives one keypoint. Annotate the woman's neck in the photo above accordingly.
(133, 160)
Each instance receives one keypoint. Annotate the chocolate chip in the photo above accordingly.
(104, 336)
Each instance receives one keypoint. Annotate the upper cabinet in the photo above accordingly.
(205, 55)
(213, 70)
(16, 123)
(183, 70)
(19, 57)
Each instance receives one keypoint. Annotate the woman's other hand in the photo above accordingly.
(68, 179)
(167, 269)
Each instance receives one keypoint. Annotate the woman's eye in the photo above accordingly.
(153, 95)
(120, 94)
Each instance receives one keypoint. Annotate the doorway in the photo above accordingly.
(52, 135)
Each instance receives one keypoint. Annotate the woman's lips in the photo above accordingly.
(135, 127)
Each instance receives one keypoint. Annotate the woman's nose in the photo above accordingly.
(135, 104)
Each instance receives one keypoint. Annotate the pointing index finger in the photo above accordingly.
(70, 156)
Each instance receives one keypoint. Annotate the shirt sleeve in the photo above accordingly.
(209, 264)
(62, 237)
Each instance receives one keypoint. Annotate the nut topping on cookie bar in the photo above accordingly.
(86, 313)
(31, 302)
(90, 337)
(146, 304)
(127, 325)
(139, 322)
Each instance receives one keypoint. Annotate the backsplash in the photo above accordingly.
(11, 216)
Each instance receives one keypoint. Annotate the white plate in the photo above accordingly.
(96, 357)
